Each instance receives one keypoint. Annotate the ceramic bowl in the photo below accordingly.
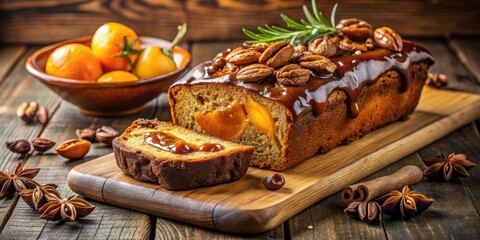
(107, 98)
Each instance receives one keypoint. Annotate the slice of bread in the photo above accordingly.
(173, 171)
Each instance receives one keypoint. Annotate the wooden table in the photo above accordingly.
(455, 213)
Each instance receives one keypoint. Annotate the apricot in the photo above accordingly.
(227, 124)
(260, 117)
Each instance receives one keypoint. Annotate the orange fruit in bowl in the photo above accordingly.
(116, 45)
(74, 61)
(117, 76)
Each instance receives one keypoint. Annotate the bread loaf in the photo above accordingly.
(289, 120)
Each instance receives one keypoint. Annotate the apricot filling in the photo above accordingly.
(260, 117)
(227, 124)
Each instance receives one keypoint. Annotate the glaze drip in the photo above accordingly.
(353, 72)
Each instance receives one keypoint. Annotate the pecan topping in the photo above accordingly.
(369, 212)
(277, 54)
(27, 111)
(106, 134)
(241, 56)
(323, 46)
(19, 180)
(293, 74)
(257, 46)
(318, 63)
(385, 37)
(254, 73)
(444, 168)
(37, 197)
(369, 43)
(21, 146)
(347, 45)
(42, 144)
(406, 203)
(355, 28)
(67, 209)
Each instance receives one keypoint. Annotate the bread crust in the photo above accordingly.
(184, 172)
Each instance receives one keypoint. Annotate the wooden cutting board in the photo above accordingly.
(245, 206)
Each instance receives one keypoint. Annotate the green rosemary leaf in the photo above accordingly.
(296, 32)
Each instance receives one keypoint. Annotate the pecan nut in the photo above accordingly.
(318, 63)
(293, 74)
(42, 115)
(277, 54)
(86, 133)
(74, 148)
(241, 56)
(347, 45)
(369, 43)
(323, 46)
(106, 134)
(254, 73)
(257, 46)
(21, 146)
(355, 28)
(42, 144)
(27, 111)
(386, 37)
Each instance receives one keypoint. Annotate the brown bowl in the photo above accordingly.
(107, 98)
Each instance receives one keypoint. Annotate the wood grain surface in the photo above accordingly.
(25, 21)
(245, 206)
(455, 201)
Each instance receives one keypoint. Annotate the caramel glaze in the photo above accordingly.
(173, 144)
(353, 72)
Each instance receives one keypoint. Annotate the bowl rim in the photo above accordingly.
(43, 76)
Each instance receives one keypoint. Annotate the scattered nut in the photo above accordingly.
(73, 149)
(254, 73)
(42, 115)
(386, 37)
(86, 133)
(274, 181)
(241, 56)
(355, 28)
(293, 74)
(21, 146)
(369, 43)
(106, 134)
(323, 46)
(277, 54)
(437, 80)
(26, 111)
(42, 144)
(318, 63)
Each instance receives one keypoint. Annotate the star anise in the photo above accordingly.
(19, 180)
(66, 209)
(369, 212)
(40, 195)
(406, 203)
(443, 168)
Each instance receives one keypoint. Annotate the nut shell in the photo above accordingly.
(74, 148)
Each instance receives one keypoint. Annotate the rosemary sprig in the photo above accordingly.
(297, 32)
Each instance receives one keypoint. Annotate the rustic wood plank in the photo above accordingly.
(8, 58)
(467, 52)
(446, 62)
(16, 88)
(25, 21)
(454, 214)
(106, 221)
(329, 221)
